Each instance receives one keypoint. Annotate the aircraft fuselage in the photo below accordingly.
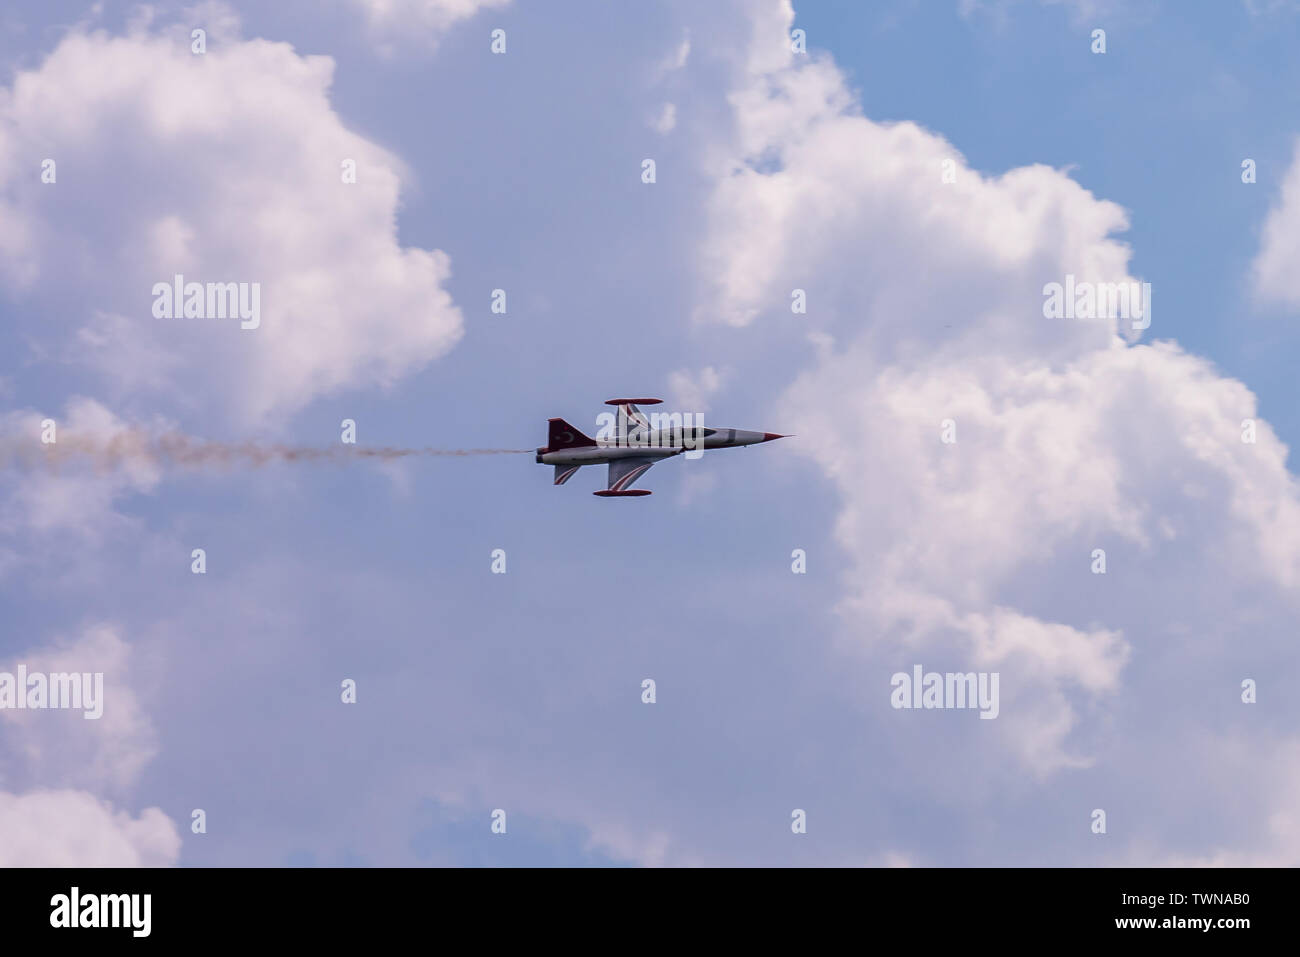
(655, 445)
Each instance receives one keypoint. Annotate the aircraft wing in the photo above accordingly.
(623, 472)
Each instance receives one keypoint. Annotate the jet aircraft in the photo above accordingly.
(635, 445)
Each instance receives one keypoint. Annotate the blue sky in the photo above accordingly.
(522, 691)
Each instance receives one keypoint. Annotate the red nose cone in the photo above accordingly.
(769, 436)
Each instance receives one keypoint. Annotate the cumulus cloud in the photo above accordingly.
(813, 186)
(51, 760)
(68, 828)
(53, 747)
(228, 166)
(925, 304)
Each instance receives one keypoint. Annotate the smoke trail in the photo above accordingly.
(137, 447)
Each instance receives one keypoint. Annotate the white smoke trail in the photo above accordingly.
(173, 449)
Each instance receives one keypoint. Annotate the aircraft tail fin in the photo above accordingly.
(565, 436)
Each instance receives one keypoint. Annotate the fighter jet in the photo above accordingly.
(635, 445)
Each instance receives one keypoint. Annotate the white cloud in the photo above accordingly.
(692, 389)
(1080, 11)
(1278, 261)
(812, 185)
(55, 821)
(675, 60)
(1067, 437)
(64, 748)
(66, 498)
(423, 22)
(66, 828)
(221, 167)
(666, 119)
